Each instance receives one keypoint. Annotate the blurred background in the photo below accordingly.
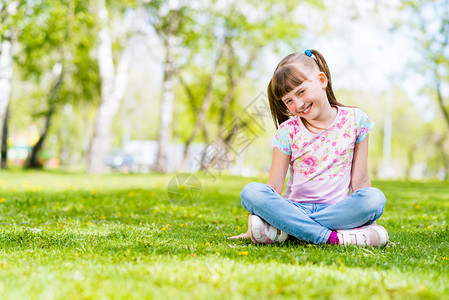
(168, 86)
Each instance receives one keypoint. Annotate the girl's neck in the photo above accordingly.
(324, 120)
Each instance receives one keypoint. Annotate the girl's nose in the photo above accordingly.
(299, 104)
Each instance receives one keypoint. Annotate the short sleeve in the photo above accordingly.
(364, 125)
(282, 140)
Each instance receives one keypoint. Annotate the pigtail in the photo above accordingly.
(325, 69)
(279, 111)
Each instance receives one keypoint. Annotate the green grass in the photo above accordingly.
(74, 236)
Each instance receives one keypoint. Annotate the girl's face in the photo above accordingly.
(309, 100)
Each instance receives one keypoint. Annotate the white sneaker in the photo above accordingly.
(370, 235)
(264, 233)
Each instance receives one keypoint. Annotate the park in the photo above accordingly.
(130, 127)
(77, 236)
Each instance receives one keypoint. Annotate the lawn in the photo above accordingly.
(74, 236)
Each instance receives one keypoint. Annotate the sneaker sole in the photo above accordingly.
(385, 242)
(254, 223)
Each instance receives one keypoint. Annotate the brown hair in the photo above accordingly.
(287, 76)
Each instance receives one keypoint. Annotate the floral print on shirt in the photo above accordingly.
(326, 154)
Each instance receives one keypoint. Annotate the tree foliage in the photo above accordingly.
(211, 54)
(61, 32)
(56, 52)
(429, 23)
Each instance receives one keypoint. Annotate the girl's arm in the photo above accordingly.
(359, 173)
(278, 171)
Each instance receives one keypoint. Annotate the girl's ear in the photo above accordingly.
(323, 80)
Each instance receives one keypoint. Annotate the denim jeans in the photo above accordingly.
(310, 221)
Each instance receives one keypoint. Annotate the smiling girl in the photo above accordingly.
(324, 145)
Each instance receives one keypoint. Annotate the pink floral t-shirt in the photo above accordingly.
(320, 164)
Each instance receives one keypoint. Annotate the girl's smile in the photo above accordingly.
(306, 111)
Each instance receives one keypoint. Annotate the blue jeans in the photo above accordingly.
(310, 221)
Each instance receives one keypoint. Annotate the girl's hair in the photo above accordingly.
(288, 76)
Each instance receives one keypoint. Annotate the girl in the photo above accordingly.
(325, 146)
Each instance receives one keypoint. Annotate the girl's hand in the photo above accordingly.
(245, 235)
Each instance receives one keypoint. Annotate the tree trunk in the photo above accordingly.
(6, 69)
(194, 107)
(410, 161)
(440, 99)
(33, 162)
(4, 138)
(166, 109)
(439, 143)
(113, 87)
(222, 143)
(232, 84)
(201, 114)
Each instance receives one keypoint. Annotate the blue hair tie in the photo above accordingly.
(308, 52)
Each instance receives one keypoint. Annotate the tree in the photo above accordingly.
(4, 148)
(113, 87)
(11, 15)
(56, 44)
(170, 19)
(430, 29)
(204, 45)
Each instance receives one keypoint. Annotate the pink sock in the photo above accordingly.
(333, 239)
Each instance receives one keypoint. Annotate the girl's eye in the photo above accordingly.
(301, 92)
(288, 101)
